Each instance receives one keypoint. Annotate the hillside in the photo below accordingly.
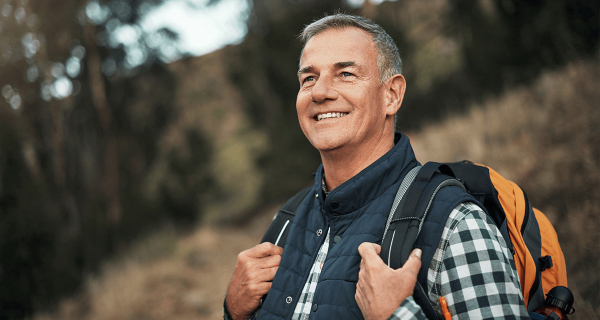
(544, 136)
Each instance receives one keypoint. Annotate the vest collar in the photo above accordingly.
(371, 182)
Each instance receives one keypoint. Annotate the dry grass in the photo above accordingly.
(546, 137)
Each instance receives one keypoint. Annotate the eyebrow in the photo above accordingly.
(345, 64)
(306, 69)
(338, 65)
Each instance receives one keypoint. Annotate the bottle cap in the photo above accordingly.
(562, 298)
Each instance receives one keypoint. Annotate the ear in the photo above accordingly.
(395, 87)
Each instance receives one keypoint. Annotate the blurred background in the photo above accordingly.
(145, 143)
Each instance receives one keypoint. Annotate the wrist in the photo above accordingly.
(229, 314)
(226, 314)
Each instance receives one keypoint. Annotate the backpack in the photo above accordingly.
(529, 235)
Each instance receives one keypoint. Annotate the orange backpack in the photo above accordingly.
(527, 232)
(534, 242)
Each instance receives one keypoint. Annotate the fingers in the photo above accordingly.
(268, 262)
(264, 255)
(264, 249)
(359, 298)
(259, 289)
(252, 278)
(264, 275)
(368, 249)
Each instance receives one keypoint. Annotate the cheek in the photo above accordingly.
(302, 102)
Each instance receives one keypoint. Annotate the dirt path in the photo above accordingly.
(188, 283)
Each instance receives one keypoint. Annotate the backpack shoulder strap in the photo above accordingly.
(530, 230)
(279, 228)
(404, 186)
(406, 219)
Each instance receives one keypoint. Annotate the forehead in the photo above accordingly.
(336, 45)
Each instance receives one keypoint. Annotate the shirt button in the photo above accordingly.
(314, 307)
(337, 239)
(319, 232)
(288, 299)
(316, 195)
(335, 205)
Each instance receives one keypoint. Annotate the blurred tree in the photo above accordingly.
(85, 99)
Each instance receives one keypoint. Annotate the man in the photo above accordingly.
(350, 90)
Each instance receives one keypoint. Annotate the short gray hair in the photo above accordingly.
(388, 57)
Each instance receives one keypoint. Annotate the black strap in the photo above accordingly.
(407, 219)
(477, 180)
(412, 210)
(280, 227)
(420, 296)
(479, 184)
(533, 241)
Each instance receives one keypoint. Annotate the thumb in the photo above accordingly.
(413, 264)
(416, 253)
(377, 248)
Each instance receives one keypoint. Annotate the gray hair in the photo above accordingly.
(388, 58)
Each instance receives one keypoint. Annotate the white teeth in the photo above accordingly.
(330, 115)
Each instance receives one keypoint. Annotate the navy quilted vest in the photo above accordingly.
(355, 212)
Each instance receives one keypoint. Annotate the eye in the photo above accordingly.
(309, 78)
(346, 74)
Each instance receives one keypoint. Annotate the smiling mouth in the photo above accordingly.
(330, 115)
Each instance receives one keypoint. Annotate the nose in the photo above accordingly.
(323, 90)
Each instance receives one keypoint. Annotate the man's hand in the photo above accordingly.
(252, 279)
(380, 289)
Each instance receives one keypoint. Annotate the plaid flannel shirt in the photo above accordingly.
(471, 268)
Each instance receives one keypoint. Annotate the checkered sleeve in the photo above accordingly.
(477, 275)
(409, 309)
(473, 270)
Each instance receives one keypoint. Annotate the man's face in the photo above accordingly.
(341, 99)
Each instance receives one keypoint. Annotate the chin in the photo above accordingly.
(327, 143)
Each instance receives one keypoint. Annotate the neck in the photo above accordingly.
(342, 164)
